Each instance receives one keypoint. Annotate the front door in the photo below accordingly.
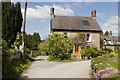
(76, 50)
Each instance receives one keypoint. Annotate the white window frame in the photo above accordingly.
(90, 37)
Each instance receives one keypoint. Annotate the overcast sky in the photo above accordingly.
(38, 14)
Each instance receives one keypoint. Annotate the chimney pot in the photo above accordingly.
(52, 11)
(93, 13)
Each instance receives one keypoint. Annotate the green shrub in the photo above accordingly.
(27, 51)
(114, 77)
(58, 45)
(91, 52)
(42, 48)
(13, 69)
(4, 47)
(13, 51)
(108, 50)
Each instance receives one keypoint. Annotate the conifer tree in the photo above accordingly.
(11, 21)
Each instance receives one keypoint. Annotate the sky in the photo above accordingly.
(38, 14)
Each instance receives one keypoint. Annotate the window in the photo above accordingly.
(109, 42)
(82, 47)
(88, 47)
(65, 34)
(86, 23)
(89, 37)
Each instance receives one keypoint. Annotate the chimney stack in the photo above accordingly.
(52, 15)
(93, 14)
(111, 33)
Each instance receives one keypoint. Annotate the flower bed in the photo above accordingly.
(105, 73)
(105, 67)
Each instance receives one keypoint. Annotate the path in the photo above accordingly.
(41, 68)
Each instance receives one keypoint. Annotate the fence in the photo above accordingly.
(18, 55)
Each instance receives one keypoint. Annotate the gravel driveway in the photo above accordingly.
(41, 68)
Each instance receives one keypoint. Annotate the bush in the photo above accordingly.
(91, 52)
(42, 48)
(4, 47)
(27, 51)
(13, 69)
(58, 46)
(108, 50)
(114, 77)
(114, 54)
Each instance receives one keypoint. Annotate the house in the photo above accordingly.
(74, 25)
(111, 42)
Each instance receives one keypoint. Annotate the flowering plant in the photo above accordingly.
(114, 54)
(109, 71)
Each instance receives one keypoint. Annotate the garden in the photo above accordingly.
(106, 67)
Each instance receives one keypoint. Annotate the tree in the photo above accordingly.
(18, 40)
(57, 46)
(42, 48)
(36, 37)
(32, 41)
(11, 21)
(80, 39)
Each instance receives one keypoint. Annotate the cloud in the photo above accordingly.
(42, 13)
(13, 1)
(100, 14)
(111, 25)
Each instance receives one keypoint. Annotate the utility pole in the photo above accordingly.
(23, 31)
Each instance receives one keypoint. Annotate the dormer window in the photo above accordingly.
(85, 22)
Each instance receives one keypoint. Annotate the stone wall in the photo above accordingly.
(96, 40)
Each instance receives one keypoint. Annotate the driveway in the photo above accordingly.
(41, 68)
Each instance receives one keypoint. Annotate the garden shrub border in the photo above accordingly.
(13, 69)
(102, 60)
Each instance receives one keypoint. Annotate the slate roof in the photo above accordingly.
(75, 23)
(113, 39)
(107, 38)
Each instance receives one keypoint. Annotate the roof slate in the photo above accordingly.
(74, 23)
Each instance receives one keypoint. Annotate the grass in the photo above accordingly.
(105, 60)
(14, 68)
(69, 60)
(113, 64)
